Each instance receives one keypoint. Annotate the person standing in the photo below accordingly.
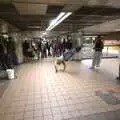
(69, 45)
(48, 48)
(25, 47)
(11, 52)
(3, 60)
(64, 45)
(99, 45)
(39, 49)
(44, 49)
(11, 57)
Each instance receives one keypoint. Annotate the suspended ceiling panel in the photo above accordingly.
(71, 8)
(97, 2)
(53, 2)
(114, 3)
(5, 1)
(50, 2)
(31, 9)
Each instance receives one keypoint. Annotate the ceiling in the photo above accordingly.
(33, 15)
(109, 26)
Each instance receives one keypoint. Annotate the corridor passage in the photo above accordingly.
(79, 93)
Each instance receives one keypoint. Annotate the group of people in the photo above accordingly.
(62, 50)
(36, 48)
(44, 48)
(59, 47)
(98, 47)
(8, 57)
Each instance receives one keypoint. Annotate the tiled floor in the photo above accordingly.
(4, 83)
(41, 94)
(3, 86)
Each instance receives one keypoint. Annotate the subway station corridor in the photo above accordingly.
(39, 39)
(79, 93)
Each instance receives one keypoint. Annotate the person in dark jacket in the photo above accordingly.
(97, 52)
(39, 48)
(64, 45)
(11, 52)
(25, 47)
(3, 60)
(69, 45)
(48, 48)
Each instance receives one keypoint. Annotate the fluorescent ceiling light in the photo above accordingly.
(55, 20)
(62, 16)
(59, 17)
(89, 36)
(57, 23)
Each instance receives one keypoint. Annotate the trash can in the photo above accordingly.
(11, 73)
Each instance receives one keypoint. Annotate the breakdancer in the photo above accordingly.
(66, 56)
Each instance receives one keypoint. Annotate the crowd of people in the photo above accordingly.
(44, 48)
(41, 48)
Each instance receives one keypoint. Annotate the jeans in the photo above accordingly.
(96, 58)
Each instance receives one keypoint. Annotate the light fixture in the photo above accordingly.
(59, 17)
(87, 38)
(55, 20)
(62, 16)
(93, 38)
(5, 35)
(44, 33)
